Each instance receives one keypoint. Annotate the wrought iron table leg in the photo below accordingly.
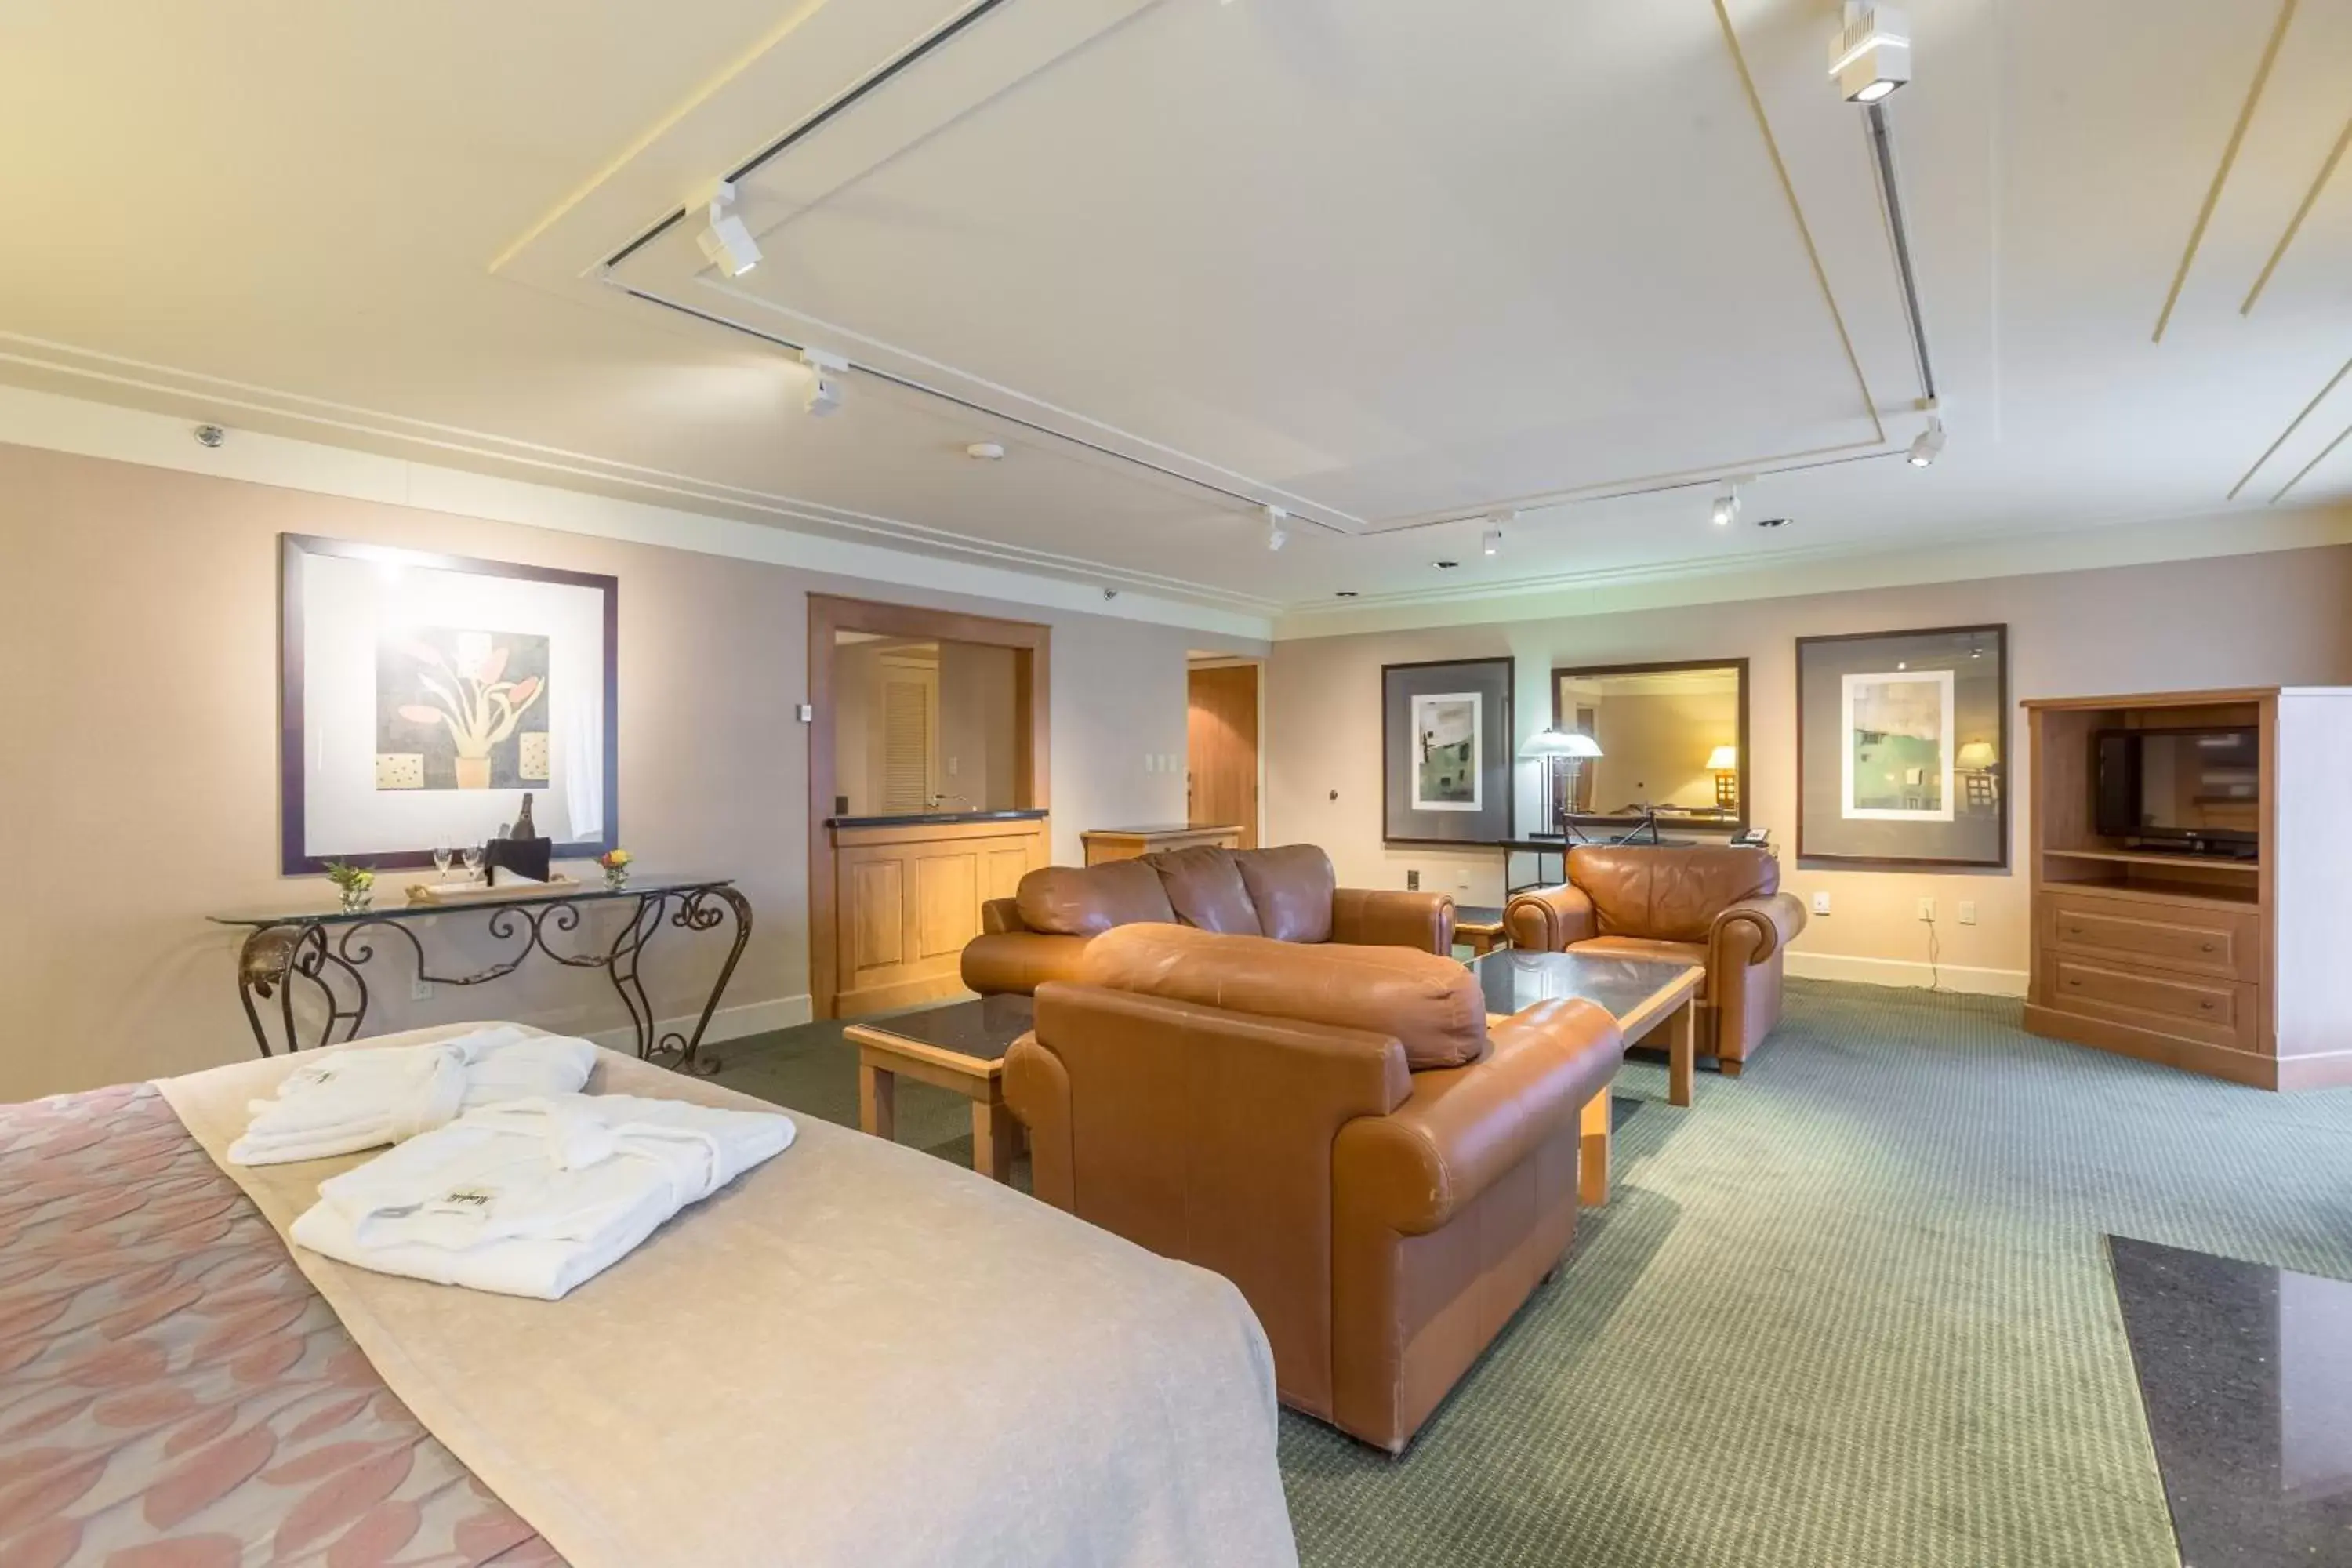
(693, 914)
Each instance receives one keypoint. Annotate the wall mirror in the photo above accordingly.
(1672, 742)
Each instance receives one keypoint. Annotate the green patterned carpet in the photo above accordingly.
(1850, 1310)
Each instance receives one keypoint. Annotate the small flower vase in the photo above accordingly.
(356, 899)
(616, 878)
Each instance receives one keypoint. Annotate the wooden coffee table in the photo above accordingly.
(1479, 927)
(1642, 995)
(959, 1047)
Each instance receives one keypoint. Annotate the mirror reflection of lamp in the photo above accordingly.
(1724, 763)
(1977, 761)
(1553, 746)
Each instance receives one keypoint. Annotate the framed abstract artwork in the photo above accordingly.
(422, 696)
(1446, 751)
(1901, 747)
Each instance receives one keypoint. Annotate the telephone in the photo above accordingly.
(1753, 838)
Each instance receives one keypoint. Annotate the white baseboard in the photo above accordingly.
(726, 1023)
(1907, 972)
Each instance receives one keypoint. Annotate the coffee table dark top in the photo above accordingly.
(1515, 981)
(983, 1028)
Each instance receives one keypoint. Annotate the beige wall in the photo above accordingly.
(138, 770)
(2279, 619)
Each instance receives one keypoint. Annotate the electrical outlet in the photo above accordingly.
(1413, 881)
(1967, 911)
(1820, 903)
(1928, 911)
(420, 989)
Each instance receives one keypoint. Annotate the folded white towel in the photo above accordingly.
(533, 1197)
(372, 1095)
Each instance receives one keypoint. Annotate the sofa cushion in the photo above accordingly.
(1205, 889)
(1431, 1006)
(1087, 900)
(1673, 894)
(1290, 887)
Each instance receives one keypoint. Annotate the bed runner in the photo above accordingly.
(853, 1355)
(172, 1389)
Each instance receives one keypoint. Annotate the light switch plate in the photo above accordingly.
(1967, 911)
(1820, 903)
(805, 713)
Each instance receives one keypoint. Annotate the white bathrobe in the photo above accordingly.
(368, 1096)
(534, 1197)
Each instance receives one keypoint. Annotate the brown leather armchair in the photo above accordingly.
(1255, 1106)
(1288, 893)
(1715, 905)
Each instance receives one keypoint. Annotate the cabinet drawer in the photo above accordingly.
(2218, 1012)
(2192, 939)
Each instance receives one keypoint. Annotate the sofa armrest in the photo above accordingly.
(1753, 929)
(1019, 960)
(1546, 919)
(998, 915)
(1463, 1127)
(1383, 916)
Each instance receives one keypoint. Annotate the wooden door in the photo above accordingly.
(1221, 743)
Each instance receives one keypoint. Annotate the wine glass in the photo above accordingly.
(473, 853)
(442, 856)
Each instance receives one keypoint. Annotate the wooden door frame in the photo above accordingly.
(1031, 646)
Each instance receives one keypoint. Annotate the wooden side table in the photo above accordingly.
(1479, 927)
(959, 1047)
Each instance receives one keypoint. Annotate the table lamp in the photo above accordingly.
(1551, 744)
(1724, 763)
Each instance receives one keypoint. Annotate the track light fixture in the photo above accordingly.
(1727, 505)
(1870, 55)
(825, 381)
(1278, 529)
(1929, 444)
(1491, 540)
(725, 242)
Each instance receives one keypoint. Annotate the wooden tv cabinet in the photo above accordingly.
(2239, 969)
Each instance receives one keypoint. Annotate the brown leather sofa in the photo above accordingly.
(1257, 1108)
(1288, 893)
(1715, 905)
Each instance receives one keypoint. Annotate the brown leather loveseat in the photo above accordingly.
(1337, 1130)
(1715, 905)
(1288, 893)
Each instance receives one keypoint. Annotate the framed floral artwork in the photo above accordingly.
(422, 696)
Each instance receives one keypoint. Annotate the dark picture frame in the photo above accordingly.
(1935, 799)
(1561, 719)
(1441, 782)
(298, 856)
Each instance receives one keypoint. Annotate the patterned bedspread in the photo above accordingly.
(172, 1392)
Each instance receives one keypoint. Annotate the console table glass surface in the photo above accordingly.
(330, 946)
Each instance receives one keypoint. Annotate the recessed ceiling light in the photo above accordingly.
(1771, 522)
(725, 242)
(985, 451)
(1344, 593)
(1445, 565)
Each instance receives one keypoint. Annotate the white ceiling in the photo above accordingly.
(1391, 265)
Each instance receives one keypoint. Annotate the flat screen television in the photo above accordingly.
(2193, 790)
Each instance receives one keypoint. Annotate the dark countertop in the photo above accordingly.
(1159, 829)
(906, 818)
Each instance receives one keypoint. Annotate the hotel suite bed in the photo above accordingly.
(855, 1353)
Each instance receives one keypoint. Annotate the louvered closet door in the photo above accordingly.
(908, 722)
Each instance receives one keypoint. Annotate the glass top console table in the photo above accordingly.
(329, 948)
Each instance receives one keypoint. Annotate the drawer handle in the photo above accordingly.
(2207, 947)
(2206, 1006)
(2074, 930)
(2073, 982)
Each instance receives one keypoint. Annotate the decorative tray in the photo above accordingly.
(482, 893)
